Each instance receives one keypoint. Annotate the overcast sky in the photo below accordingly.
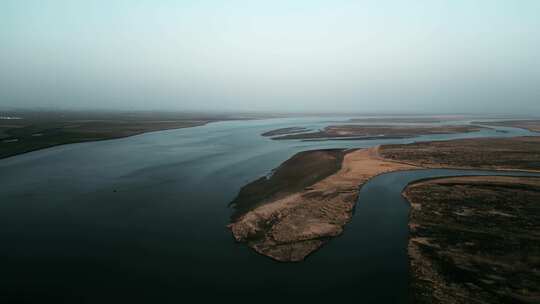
(360, 56)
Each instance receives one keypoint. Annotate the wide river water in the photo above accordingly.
(143, 219)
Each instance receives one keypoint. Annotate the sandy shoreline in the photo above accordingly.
(291, 227)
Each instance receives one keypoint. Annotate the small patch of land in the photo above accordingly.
(283, 131)
(37, 130)
(475, 240)
(531, 125)
(373, 131)
(518, 153)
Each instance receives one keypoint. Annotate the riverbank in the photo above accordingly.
(474, 239)
(33, 131)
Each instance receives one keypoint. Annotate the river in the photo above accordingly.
(142, 219)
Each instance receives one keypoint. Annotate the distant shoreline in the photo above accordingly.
(7, 141)
(367, 132)
(39, 131)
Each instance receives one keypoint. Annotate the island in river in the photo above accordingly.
(282, 131)
(363, 132)
(287, 222)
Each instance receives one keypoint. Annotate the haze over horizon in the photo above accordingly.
(428, 56)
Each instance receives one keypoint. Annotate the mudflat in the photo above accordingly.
(377, 131)
(475, 240)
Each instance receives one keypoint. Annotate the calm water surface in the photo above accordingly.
(142, 219)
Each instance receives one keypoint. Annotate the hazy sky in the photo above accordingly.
(413, 56)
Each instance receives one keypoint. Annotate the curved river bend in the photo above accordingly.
(142, 219)
(380, 226)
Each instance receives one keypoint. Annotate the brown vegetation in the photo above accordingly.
(475, 240)
(522, 153)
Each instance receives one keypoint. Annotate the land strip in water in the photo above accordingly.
(282, 131)
(532, 125)
(400, 119)
(362, 132)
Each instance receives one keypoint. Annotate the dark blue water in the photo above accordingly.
(142, 219)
